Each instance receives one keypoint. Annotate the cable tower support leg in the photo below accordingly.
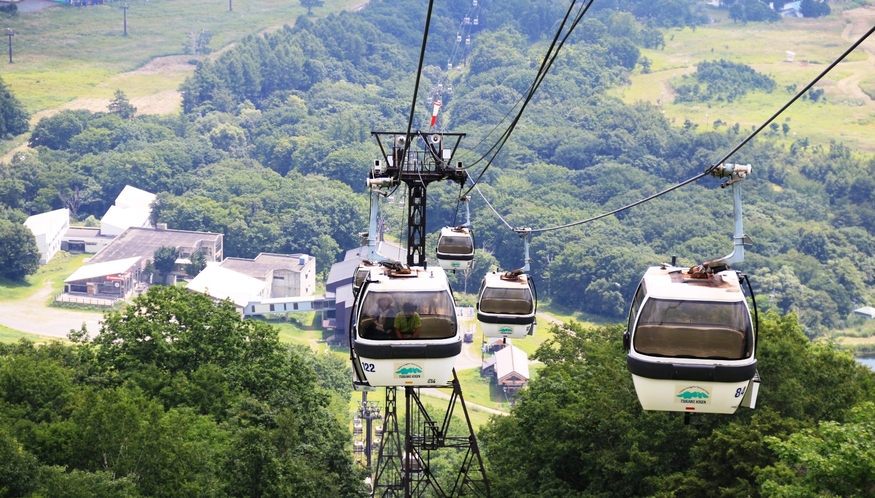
(387, 480)
(416, 200)
(467, 483)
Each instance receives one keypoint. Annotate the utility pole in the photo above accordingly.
(230, 5)
(10, 33)
(125, 10)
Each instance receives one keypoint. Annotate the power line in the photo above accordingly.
(418, 76)
(710, 168)
(549, 58)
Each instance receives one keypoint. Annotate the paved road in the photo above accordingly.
(33, 316)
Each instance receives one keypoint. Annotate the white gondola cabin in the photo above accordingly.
(506, 305)
(691, 342)
(404, 330)
(455, 249)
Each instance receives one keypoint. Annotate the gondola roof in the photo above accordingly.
(676, 283)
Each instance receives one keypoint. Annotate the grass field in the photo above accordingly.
(436, 407)
(9, 336)
(60, 267)
(62, 52)
(847, 113)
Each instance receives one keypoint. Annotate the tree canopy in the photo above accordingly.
(19, 256)
(176, 396)
(578, 429)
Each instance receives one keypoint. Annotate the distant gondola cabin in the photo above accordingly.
(506, 305)
(455, 249)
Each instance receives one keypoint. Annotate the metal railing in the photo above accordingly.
(63, 297)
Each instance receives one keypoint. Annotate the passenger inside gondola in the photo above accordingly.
(408, 323)
(380, 325)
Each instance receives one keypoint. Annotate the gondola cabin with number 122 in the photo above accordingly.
(404, 329)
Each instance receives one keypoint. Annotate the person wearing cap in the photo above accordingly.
(407, 324)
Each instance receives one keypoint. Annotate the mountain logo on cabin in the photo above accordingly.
(692, 395)
(505, 330)
(408, 371)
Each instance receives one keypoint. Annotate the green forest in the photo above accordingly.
(177, 397)
(274, 145)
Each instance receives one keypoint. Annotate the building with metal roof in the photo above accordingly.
(132, 208)
(289, 275)
(111, 279)
(221, 283)
(48, 229)
(511, 369)
(143, 242)
(865, 312)
(84, 240)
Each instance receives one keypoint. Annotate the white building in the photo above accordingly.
(132, 208)
(48, 228)
(221, 283)
(511, 369)
(289, 275)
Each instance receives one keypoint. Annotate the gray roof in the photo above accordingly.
(45, 222)
(342, 271)
(386, 249)
(222, 283)
(264, 263)
(344, 293)
(865, 310)
(144, 242)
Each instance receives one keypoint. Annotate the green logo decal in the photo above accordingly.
(505, 330)
(692, 395)
(408, 371)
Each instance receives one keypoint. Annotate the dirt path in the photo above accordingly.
(850, 86)
(437, 393)
(31, 315)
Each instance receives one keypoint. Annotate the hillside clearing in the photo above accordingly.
(847, 113)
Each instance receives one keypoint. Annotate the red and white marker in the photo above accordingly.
(434, 112)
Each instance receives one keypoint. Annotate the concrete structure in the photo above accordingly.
(511, 369)
(143, 242)
(289, 275)
(221, 283)
(84, 240)
(48, 229)
(132, 208)
(111, 279)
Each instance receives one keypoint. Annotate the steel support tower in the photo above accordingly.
(403, 466)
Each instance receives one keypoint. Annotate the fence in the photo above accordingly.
(94, 301)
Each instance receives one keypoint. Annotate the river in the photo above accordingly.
(869, 361)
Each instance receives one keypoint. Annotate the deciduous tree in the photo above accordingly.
(19, 255)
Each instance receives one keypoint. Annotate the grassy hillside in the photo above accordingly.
(848, 111)
(62, 52)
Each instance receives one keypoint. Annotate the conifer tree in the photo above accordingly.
(121, 106)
